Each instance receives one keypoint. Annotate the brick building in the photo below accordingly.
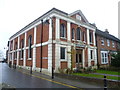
(55, 39)
(107, 44)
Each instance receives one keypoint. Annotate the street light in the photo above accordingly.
(47, 22)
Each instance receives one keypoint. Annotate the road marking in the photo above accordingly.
(49, 80)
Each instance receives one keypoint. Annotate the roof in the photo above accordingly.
(107, 35)
(38, 19)
(53, 10)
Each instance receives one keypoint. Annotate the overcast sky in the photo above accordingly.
(15, 14)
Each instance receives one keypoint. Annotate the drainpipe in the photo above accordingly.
(41, 47)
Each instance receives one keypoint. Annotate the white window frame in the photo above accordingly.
(108, 42)
(103, 58)
(92, 54)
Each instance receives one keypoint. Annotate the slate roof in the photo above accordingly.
(107, 35)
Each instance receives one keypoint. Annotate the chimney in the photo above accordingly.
(94, 24)
(106, 30)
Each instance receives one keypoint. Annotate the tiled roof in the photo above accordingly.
(107, 35)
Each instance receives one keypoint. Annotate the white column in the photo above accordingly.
(57, 28)
(50, 30)
(68, 31)
(69, 56)
(88, 41)
(89, 60)
(18, 51)
(95, 56)
(50, 58)
(13, 53)
(83, 57)
(24, 60)
(94, 38)
(34, 50)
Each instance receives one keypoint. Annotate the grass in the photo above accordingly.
(96, 76)
(108, 72)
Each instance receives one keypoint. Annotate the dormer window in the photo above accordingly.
(78, 17)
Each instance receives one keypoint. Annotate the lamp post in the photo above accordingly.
(52, 49)
(41, 47)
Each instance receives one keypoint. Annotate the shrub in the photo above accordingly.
(115, 61)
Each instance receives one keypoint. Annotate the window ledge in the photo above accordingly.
(29, 58)
(21, 59)
(63, 38)
(63, 60)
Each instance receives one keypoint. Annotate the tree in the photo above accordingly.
(115, 61)
(1, 56)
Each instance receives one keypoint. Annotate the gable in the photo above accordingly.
(79, 16)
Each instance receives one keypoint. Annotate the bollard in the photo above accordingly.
(15, 65)
(31, 69)
(52, 73)
(105, 83)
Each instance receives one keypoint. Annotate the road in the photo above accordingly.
(20, 80)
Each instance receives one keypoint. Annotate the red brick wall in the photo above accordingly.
(28, 62)
(38, 56)
(99, 46)
(64, 65)
(45, 33)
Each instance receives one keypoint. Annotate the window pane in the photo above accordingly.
(62, 30)
(78, 33)
(73, 33)
(62, 53)
(91, 53)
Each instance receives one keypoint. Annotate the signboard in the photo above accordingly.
(79, 45)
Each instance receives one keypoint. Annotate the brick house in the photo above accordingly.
(107, 44)
(55, 39)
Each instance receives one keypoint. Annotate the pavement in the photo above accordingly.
(21, 78)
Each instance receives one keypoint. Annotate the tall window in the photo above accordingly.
(102, 41)
(30, 48)
(83, 36)
(91, 37)
(78, 33)
(73, 34)
(62, 53)
(62, 31)
(113, 44)
(108, 42)
(22, 46)
(16, 50)
(91, 54)
(104, 57)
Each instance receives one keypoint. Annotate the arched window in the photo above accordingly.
(16, 46)
(30, 48)
(22, 46)
(62, 31)
(73, 34)
(78, 33)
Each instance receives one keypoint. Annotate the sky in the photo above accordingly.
(15, 14)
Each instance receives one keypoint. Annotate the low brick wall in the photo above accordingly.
(110, 83)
